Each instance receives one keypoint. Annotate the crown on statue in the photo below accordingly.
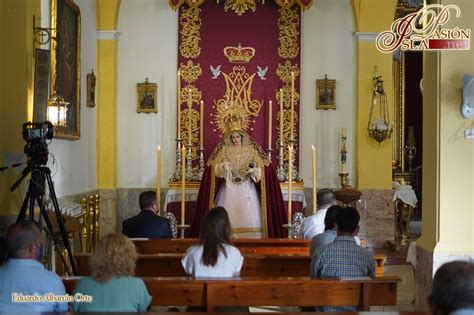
(230, 116)
(239, 54)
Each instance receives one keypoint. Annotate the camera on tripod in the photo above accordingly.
(35, 135)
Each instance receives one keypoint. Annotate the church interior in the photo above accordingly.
(152, 87)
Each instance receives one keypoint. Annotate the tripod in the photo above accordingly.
(39, 175)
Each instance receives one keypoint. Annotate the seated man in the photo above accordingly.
(329, 234)
(147, 223)
(24, 278)
(314, 224)
(343, 258)
(452, 290)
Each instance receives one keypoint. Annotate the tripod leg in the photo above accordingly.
(57, 245)
(26, 201)
(59, 218)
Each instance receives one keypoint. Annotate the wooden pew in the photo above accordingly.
(246, 246)
(275, 246)
(255, 265)
(293, 291)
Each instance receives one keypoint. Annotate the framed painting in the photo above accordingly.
(146, 97)
(325, 93)
(66, 63)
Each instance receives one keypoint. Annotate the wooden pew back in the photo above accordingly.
(301, 291)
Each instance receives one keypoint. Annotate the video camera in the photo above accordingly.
(35, 135)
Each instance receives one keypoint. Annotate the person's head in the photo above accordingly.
(325, 198)
(236, 138)
(452, 288)
(147, 200)
(347, 221)
(330, 218)
(114, 255)
(215, 231)
(24, 240)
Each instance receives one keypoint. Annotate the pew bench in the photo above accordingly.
(290, 291)
(255, 265)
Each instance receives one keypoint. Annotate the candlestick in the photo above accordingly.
(313, 149)
(158, 177)
(281, 117)
(190, 105)
(290, 179)
(183, 184)
(201, 121)
(270, 124)
(179, 104)
(292, 102)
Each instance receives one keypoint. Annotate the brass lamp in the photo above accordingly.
(57, 110)
(379, 126)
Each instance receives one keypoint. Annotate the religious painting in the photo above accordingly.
(66, 63)
(90, 93)
(325, 93)
(146, 97)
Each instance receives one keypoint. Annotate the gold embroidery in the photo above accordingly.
(190, 72)
(239, 54)
(234, 110)
(190, 33)
(240, 6)
(246, 230)
(288, 35)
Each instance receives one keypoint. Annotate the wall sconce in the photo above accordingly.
(57, 109)
(379, 123)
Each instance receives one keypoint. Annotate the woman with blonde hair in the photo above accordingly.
(111, 284)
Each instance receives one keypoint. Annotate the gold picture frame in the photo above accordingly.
(325, 93)
(146, 97)
(90, 93)
(66, 64)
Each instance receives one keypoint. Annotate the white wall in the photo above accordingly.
(327, 47)
(75, 169)
(148, 48)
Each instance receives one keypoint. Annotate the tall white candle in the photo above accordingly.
(183, 184)
(313, 152)
(270, 124)
(201, 120)
(281, 117)
(290, 180)
(179, 105)
(292, 104)
(158, 177)
(190, 105)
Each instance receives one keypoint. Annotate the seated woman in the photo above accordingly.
(214, 256)
(240, 177)
(112, 285)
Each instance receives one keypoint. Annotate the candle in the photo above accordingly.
(292, 103)
(179, 104)
(290, 180)
(201, 120)
(343, 161)
(183, 183)
(158, 177)
(281, 117)
(270, 125)
(313, 150)
(190, 105)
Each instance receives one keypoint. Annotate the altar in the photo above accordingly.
(172, 201)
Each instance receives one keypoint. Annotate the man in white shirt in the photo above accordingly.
(314, 224)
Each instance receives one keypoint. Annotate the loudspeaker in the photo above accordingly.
(40, 99)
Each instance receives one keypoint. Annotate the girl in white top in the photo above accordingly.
(214, 256)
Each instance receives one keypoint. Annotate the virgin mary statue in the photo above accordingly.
(240, 177)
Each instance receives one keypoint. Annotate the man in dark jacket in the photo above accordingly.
(147, 223)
